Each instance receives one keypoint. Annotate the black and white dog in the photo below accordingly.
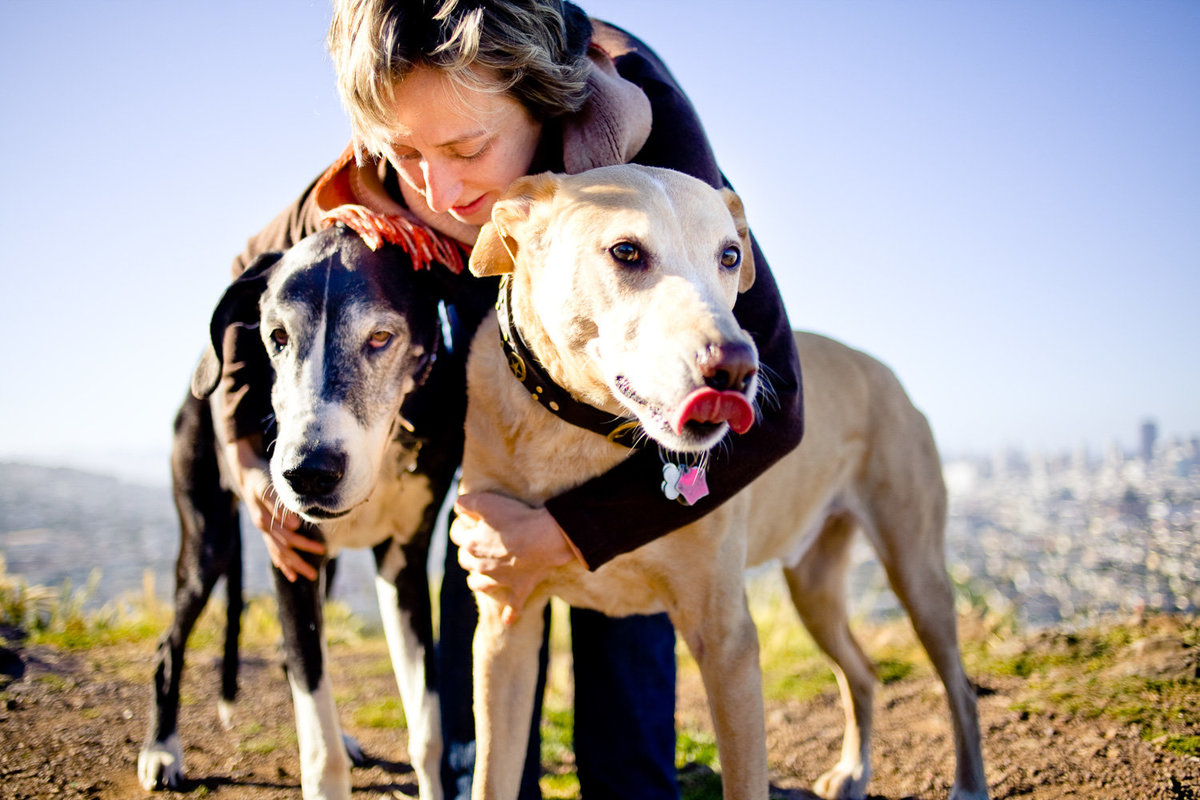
(352, 336)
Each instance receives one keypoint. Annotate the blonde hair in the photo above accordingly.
(534, 50)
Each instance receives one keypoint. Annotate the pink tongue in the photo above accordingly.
(709, 405)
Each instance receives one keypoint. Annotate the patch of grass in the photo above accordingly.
(891, 670)
(1094, 673)
(56, 682)
(794, 668)
(64, 617)
(696, 747)
(558, 726)
(1085, 652)
(386, 713)
(1182, 745)
(256, 738)
(559, 786)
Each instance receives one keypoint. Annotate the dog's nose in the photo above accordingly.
(729, 367)
(317, 473)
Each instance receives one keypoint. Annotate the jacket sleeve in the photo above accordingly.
(246, 375)
(624, 508)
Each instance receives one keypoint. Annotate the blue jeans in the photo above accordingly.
(624, 701)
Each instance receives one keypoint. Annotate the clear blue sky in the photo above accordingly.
(999, 199)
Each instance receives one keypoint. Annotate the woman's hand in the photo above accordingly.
(507, 548)
(279, 525)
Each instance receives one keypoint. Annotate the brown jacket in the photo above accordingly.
(624, 508)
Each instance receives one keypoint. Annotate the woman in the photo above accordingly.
(449, 102)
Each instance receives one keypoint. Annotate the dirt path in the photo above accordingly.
(72, 723)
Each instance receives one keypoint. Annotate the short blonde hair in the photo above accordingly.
(534, 50)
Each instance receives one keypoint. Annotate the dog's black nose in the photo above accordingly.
(318, 473)
(729, 367)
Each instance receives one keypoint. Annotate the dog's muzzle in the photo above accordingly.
(315, 477)
(729, 372)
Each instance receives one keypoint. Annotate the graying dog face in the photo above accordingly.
(350, 333)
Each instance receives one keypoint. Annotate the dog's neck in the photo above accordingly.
(547, 389)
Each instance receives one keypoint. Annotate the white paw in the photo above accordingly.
(160, 765)
(844, 782)
(225, 712)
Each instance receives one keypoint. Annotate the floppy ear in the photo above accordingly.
(500, 240)
(239, 303)
(738, 212)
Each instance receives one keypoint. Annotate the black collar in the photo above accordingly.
(529, 371)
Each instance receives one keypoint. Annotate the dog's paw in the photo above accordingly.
(963, 794)
(843, 782)
(160, 765)
(225, 713)
(353, 749)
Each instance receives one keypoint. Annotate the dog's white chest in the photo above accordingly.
(395, 508)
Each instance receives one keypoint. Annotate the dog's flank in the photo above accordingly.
(352, 335)
(867, 463)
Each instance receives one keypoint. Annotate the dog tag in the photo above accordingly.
(683, 483)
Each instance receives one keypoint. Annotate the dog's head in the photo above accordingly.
(350, 333)
(624, 280)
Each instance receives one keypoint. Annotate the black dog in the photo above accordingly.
(353, 338)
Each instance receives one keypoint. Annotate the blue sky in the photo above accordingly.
(1000, 200)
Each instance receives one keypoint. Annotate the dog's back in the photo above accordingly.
(867, 451)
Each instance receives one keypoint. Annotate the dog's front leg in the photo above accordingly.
(722, 638)
(324, 764)
(402, 585)
(506, 672)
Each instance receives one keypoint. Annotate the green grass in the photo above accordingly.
(65, 618)
(384, 713)
(1091, 673)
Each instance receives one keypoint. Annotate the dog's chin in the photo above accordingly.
(655, 418)
(695, 437)
(317, 514)
(317, 509)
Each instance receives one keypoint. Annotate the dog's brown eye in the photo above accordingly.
(280, 337)
(731, 257)
(626, 252)
(380, 339)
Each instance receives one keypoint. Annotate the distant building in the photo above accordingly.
(1149, 440)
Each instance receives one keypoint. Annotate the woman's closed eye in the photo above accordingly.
(471, 151)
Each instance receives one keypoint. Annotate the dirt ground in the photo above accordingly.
(71, 725)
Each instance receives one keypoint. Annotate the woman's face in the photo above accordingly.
(459, 148)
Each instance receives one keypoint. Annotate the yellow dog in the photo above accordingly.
(626, 338)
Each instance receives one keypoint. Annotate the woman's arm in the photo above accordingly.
(624, 508)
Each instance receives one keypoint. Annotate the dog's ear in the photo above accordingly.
(239, 303)
(496, 249)
(738, 212)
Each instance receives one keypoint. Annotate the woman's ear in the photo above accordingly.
(738, 212)
(501, 240)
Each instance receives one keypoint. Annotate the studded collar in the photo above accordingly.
(526, 368)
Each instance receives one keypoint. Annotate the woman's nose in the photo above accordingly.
(442, 187)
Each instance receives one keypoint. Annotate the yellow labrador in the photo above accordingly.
(621, 285)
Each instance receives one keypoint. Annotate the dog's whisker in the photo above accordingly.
(766, 396)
